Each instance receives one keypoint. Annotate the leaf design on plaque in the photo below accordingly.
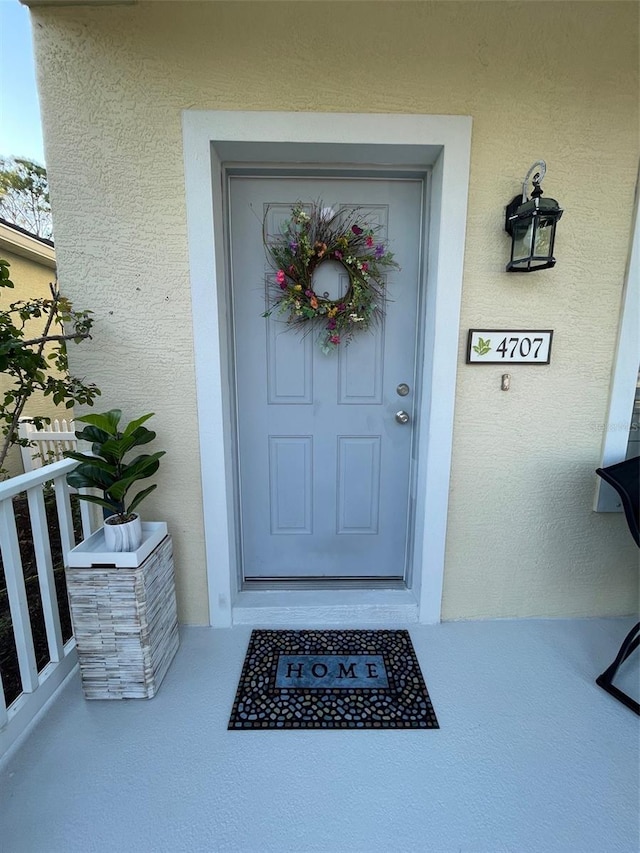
(483, 347)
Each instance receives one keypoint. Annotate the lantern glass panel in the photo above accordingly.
(522, 239)
(544, 238)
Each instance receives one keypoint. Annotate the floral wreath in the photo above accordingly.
(308, 239)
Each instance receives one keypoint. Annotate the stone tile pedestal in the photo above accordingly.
(125, 624)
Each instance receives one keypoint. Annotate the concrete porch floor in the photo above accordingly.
(530, 756)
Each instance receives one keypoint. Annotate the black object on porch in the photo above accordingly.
(624, 477)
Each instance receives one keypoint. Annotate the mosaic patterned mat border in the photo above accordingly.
(321, 670)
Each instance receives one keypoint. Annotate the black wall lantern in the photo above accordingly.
(532, 225)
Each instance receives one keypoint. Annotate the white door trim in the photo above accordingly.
(625, 372)
(442, 143)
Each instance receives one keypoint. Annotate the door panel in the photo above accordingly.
(324, 468)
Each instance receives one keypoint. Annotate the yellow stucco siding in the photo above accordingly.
(557, 81)
(31, 271)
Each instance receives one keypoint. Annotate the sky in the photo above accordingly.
(20, 128)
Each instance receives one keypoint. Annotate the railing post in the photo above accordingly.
(65, 521)
(86, 515)
(4, 717)
(18, 605)
(44, 563)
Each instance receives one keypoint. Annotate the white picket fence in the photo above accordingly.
(37, 687)
(46, 445)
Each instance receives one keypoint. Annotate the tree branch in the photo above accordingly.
(46, 340)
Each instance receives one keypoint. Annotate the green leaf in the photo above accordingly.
(90, 477)
(144, 468)
(482, 347)
(143, 435)
(140, 462)
(107, 504)
(107, 421)
(92, 461)
(135, 424)
(140, 497)
(116, 448)
(92, 434)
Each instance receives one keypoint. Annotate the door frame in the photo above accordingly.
(442, 144)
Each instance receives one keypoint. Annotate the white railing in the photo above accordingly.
(47, 445)
(37, 687)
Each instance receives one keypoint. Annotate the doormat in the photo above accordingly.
(331, 680)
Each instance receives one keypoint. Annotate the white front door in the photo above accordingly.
(324, 467)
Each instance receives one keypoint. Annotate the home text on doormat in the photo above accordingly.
(331, 680)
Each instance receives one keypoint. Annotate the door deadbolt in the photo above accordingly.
(402, 417)
(402, 389)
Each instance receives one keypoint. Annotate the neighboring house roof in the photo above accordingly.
(20, 242)
(24, 231)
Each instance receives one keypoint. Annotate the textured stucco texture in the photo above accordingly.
(557, 81)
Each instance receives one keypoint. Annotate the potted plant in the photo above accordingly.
(121, 584)
(105, 469)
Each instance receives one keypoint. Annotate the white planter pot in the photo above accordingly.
(122, 537)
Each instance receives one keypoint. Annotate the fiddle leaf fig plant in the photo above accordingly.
(105, 467)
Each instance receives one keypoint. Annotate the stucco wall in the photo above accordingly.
(552, 80)
(31, 278)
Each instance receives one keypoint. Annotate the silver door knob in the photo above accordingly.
(402, 417)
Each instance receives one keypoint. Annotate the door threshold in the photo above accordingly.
(288, 608)
(324, 583)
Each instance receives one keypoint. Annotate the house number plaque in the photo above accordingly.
(504, 346)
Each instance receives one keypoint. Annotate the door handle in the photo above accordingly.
(402, 417)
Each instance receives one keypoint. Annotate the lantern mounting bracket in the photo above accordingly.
(537, 177)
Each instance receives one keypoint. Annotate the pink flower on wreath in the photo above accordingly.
(369, 240)
(331, 324)
(281, 277)
(365, 267)
(334, 339)
(309, 293)
(338, 255)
